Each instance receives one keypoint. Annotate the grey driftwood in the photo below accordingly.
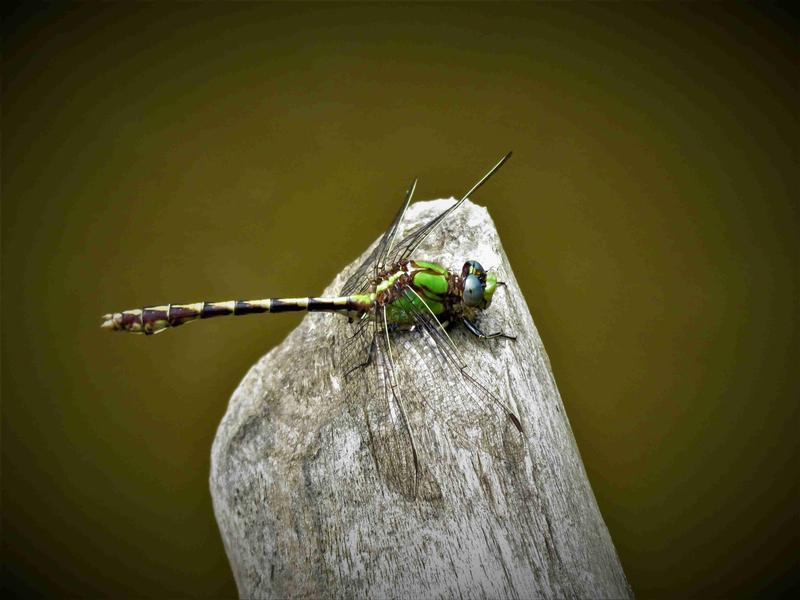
(303, 508)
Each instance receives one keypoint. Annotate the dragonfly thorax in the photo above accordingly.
(413, 286)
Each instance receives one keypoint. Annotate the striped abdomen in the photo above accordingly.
(154, 319)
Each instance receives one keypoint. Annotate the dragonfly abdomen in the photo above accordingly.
(155, 319)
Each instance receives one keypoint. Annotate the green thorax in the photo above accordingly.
(429, 280)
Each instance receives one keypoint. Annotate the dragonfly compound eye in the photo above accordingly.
(473, 291)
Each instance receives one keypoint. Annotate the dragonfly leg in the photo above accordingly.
(474, 330)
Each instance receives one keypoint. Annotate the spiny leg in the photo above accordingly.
(475, 330)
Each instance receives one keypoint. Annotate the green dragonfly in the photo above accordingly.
(394, 304)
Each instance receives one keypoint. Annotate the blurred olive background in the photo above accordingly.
(156, 153)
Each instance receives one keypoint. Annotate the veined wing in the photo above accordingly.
(384, 405)
(409, 392)
(388, 251)
(376, 261)
(408, 245)
(476, 416)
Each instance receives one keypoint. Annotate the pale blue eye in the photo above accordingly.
(473, 291)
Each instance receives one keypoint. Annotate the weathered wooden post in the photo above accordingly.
(304, 512)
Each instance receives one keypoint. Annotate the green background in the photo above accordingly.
(165, 152)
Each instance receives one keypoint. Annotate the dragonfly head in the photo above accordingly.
(479, 285)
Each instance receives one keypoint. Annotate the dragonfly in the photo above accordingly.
(394, 304)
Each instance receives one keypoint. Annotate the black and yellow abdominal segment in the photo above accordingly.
(154, 319)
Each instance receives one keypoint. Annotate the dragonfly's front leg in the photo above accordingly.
(475, 330)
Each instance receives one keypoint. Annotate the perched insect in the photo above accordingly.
(393, 303)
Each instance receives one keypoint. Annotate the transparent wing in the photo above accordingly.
(476, 405)
(409, 392)
(389, 251)
(373, 396)
(359, 281)
(406, 247)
